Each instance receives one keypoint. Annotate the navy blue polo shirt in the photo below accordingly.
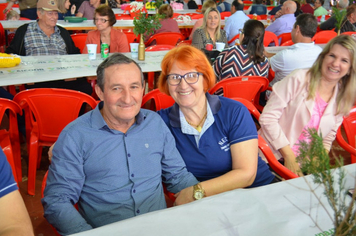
(212, 157)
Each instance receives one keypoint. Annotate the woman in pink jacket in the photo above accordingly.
(104, 19)
(317, 98)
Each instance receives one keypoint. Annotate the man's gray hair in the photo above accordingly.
(343, 4)
(115, 59)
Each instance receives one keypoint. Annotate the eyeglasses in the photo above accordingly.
(101, 20)
(241, 31)
(190, 78)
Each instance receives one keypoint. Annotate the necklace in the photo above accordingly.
(198, 127)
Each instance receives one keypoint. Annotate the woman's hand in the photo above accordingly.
(50, 153)
(290, 160)
(184, 196)
(72, 9)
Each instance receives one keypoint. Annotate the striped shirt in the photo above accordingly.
(37, 43)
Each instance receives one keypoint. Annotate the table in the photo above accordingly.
(268, 210)
(277, 49)
(57, 67)
(88, 24)
(152, 12)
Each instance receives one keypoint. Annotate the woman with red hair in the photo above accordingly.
(216, 136)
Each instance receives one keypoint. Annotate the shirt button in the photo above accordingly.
(138, 211)
(132, 175)
(129, 155)
(125, 135)
(134, 191)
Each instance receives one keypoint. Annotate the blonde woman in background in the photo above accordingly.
(206, 5)
(63, 6)
(317, 98)
(210, 31)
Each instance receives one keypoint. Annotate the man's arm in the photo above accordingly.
(71, 48)
(328, 24)
(14, 218)
(17, 44)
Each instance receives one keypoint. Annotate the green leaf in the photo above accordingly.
(146, 24)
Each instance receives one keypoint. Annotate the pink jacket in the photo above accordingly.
(288, 111)
(118, 41)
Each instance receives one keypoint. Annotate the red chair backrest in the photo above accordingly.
(170, 38)
(79, 40)
(159, 47)
(2, 39)
(234, 38)
(185, 42)
(284, 37)
(324, 36)
(131, 37)
(248, 87)
(197, 16)
(263, 17)
(249, 105)
(257, 17)
(287, 43)
(123, 17)
(160, 99)
(224, 14)
(51, 109)
(349, 124)
(351, 33)
(2, 14)
(270, 38)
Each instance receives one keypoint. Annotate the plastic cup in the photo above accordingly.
(92, 51)
(134, 50)
(220, 46)
(209, 46)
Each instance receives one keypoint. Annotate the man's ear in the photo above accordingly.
(99, 92)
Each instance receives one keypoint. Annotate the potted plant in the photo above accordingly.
(145, 24)
(339, 17)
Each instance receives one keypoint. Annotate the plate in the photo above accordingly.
(74, 19)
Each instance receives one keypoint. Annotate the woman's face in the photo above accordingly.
(213, 20)
(336, 64)
(100, 22)
(67, 4)
(186, 95)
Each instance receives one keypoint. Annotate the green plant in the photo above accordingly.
(315, 160)
(158, 3)
(146, 24)
(339, 17)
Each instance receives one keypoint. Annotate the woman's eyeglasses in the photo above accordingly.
(241, 31)
(101, 20)
(190, 78)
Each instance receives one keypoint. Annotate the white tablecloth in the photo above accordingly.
(278, 209)
(48, 68)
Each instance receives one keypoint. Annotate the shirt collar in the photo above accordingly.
(214, 103)
(56, 29)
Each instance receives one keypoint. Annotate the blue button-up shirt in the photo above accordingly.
(112, 175)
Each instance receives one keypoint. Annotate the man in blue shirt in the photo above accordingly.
(14, 219)
(112, 160)
(236, 21)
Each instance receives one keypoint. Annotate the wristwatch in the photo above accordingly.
(198, 192)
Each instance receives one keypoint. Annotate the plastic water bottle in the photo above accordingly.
(322, 19)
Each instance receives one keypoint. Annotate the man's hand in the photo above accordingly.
(72, 9)
(50, 153)
(184, 196)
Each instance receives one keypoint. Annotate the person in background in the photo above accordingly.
(12, 15)
(112, 160)
(189, 4)
(245, 59)
(45, 37)
(216, 136)
(115, 3)
(330, 23)
(317, 98)
(236, 21)
(199, 22)
(210, 31)
(327, 5)
(87, 9)
(14, 218)
(277, 8)
(285, 19)
(308, 7)
(168, 24)
(302, 54)
(258, 8)
(224, 5)
(28, 8)
(319, 9)
(63, 6)
(349, 23)
(104, 20)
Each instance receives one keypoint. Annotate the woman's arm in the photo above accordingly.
(197, 40)
(244, 168)
(290, 160)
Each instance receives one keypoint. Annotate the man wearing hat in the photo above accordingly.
(44, 37)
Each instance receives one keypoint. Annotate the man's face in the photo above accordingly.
(122, 94)
(48, 18)
(284, 8)
(232, 10)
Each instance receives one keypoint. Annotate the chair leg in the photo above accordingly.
(32, 166)
(17, 159)
(150, 79)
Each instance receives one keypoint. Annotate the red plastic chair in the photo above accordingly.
(197, 16)
(263, 17)
(248, 87)
(270, 38)
(287, 43)
(123, 17)
(9, 139)
(284, 37)
(131, 37)
(151, 75)
(224, 14)
(175, 15)
(2, 39)
(79, 40)
(2, 14)
(257, 17)
(234, 38)
(318, 18)
(185, 42)
(351, 33)
(280, 169)
(47, 112)
(170, 38)
(251, 108)
(324, 36)
(160, 99)
(24, 18)
(349, 124)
